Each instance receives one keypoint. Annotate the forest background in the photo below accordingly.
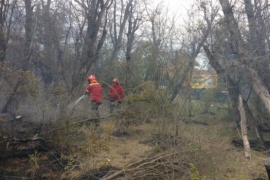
(48, 49)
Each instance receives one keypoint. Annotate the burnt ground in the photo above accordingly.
(45, 166)
(25, 154)
(255, 145)
(39, 160)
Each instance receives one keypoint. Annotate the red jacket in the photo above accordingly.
(95, 92)
(116, 93)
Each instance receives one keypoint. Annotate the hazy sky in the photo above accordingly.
(180, 8)
(176, 7)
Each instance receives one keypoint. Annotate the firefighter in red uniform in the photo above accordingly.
(94, 91)
(116, 95)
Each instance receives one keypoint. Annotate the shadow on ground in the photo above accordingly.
(255, 145)
(195, 122)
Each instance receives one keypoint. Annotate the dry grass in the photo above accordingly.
(212, 141)
(128, 148)
(203, 140)
(229, 161)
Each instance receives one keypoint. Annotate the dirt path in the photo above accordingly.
(126, 147)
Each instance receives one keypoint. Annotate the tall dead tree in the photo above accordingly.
(96, 12)
(12, 98)
(47, 61)
(3, 42)
(234, 93)
(161, 27)
(244, 131)
(117, 32)
(257, 41)
(242, 54)
(195, 50)
(134, 22)
(6, 15)
(155, 20)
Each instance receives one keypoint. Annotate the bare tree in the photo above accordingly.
(159, 33)
(244, 131)
(195, 48)
(12, 98)
(6, 10)
(257, 43)
(116, 31)
(234, 93)
(242, 55)
(134, 21)
(95, 12)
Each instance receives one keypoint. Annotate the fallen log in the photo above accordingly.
(79, 123)
(19, 147)
(21, 153)
(147, 168)
(15, 141)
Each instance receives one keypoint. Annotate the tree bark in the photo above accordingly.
(258, 46)
(117, 39)
(244, 129)
(232, 26)
(3, 41)
(234, 93)
(96, 17)
(243, 56)
(133, 25)
(260, 89)
(12, 99)
(253, 125)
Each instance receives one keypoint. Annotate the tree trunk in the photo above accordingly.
(243, 56)
(195, 51)
(9, 106)
(253, 125)
(133, 25)
(183, 78)
(258, 46)
(117, 39)
(3, 41)
(260, 89)
(12, 101)
(234, 92)
(244, 128)
(96, 17)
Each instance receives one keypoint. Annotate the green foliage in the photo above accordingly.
(28, 82)
(196, 174)
(149, 102)
(81, 143)
(157, 149)
(56, 90)
(31, 83)
(208, 97)
(34, 160)
(148, 93)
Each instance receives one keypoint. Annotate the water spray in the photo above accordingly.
(78, 100)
